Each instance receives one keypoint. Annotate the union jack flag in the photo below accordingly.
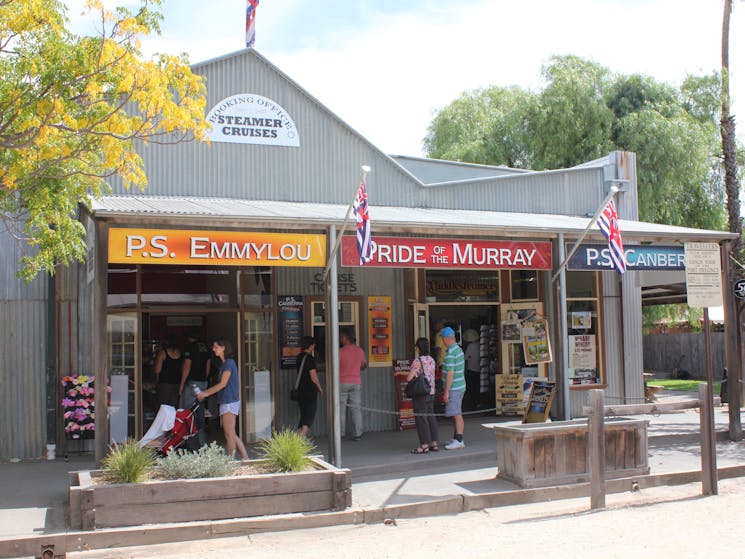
(364, 236)
(250, 17)
(608, 223)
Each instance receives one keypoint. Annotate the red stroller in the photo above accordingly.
(171, 428)
(184, 427)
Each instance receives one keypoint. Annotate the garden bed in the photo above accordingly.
(105, 505)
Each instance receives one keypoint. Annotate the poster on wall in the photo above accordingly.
(290, 328)
(581, 320)
(536, 345)
(380, 332)
(539, 402)
(403, 403)
(582, 353)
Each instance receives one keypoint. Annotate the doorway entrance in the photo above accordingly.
(476, 328)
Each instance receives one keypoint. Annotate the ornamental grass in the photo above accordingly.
(287, 451)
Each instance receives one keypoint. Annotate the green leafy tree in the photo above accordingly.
(484, 126)
(72, 110)
(572, 122)
(582, 113)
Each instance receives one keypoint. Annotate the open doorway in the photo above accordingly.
(160, 327)
(476, 330)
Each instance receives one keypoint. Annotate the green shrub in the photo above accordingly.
(209, 461)
(287, 451)
(128, 462)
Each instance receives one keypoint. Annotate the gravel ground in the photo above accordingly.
(654, 523)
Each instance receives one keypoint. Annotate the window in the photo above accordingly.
(524, 285)
(583, 329)
(348, 318)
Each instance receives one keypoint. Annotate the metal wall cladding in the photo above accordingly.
(613, 348)
(12, 288)
(633, 353)
(23, 378)
(326, 166)
(378, 391)
(437, 171)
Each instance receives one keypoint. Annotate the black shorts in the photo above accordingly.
(308, 407)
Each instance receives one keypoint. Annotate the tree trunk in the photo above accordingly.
(732, 188)
(731, 183)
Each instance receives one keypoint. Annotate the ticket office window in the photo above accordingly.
(523, 285)
(348, 317)
(584, 329)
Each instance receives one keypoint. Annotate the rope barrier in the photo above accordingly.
(391, 412)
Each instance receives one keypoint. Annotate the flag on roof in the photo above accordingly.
(608, 223)
(250, 17)
(364, 236)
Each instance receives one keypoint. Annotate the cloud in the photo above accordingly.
(385, 67)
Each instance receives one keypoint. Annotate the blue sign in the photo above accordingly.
(597, 257)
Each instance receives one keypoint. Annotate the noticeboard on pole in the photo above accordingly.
(703, 275)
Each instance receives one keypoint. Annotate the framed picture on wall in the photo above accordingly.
(536, 343)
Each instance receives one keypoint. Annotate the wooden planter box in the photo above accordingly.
(545, 454)
(184, 500)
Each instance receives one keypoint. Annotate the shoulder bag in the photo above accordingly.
(419, 385)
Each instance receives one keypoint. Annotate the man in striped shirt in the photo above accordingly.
(454, 368)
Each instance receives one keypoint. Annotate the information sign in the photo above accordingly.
(703, 275)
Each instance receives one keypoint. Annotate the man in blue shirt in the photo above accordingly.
(454, 368)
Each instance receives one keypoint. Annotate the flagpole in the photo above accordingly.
(365, 171)
(613, 190)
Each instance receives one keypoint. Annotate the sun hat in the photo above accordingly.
(448, 332)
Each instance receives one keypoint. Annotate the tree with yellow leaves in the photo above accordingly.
(72, 109)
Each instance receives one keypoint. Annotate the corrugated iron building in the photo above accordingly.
(291, 169)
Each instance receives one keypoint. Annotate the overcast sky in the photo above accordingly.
(385, 66)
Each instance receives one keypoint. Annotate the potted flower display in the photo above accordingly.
(78, 406)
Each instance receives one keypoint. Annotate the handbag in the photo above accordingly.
(419, 385)
(294, 394)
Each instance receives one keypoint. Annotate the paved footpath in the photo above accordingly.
(653, 523)
(387, 479)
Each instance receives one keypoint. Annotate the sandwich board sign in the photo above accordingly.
(703, 275)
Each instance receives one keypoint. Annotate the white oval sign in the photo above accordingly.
(251, 119)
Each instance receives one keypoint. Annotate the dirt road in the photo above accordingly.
(655, 523)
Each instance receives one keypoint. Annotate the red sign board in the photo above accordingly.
(454, 254)
(404, 403)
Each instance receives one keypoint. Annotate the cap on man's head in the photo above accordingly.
(448, 332)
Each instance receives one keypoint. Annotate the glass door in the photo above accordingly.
(121, 335)
(258, 345)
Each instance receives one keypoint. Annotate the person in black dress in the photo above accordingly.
(309, 386)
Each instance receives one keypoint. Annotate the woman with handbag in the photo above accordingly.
(424, 404)
(307, 385)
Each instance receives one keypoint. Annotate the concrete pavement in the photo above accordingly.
(387, 479)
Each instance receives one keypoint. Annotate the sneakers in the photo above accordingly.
(455, 445)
